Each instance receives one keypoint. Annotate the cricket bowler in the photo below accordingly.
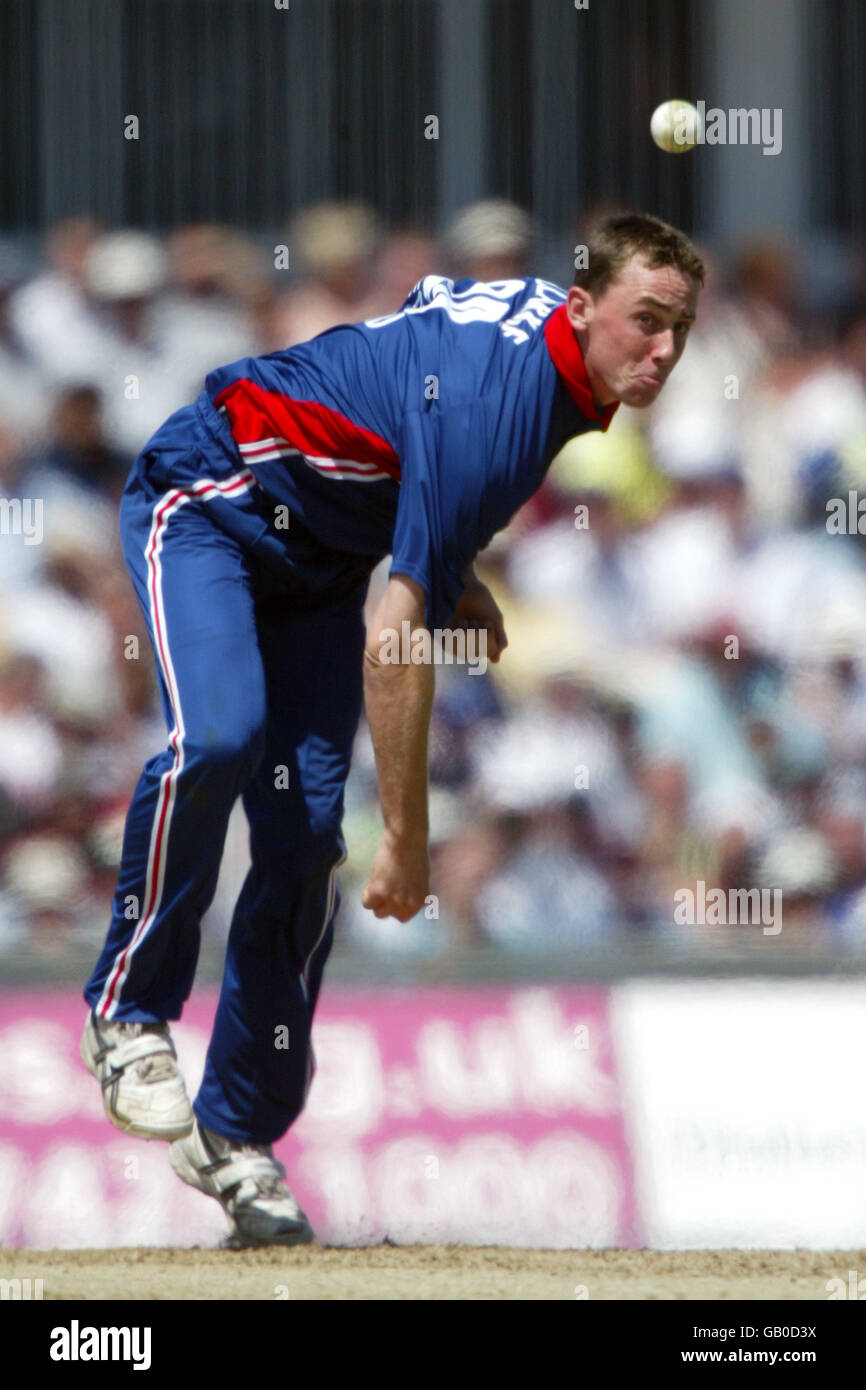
(250, 524)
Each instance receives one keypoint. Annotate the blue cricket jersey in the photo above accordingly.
(418, 435)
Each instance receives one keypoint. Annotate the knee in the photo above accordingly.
(228, 749)
(297, 856)
(322, 849)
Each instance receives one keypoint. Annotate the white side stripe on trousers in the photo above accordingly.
(203, 490)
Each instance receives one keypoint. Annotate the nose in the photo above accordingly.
(665, 350)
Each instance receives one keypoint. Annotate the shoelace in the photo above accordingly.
(157, 1068)
(271, 1186)
(160, 1066)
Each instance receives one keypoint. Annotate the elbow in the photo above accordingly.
(380, 664)
(373, 663)
(387, 661)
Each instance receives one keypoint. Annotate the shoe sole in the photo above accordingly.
(134, 1130)
(236, 1241)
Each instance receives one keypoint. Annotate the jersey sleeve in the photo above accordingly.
(439, 527)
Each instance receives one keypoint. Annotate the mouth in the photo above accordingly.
(654, 381)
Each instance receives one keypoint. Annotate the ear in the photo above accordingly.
(578, 307)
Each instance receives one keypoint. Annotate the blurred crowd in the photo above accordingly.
(684, 694)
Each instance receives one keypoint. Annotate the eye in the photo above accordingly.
(647, 319)
(683, 327)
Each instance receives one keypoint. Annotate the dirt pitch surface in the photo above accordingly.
(431, 1272)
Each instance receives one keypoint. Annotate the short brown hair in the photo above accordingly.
(615, 239)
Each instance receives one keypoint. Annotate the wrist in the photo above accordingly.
(405, 839)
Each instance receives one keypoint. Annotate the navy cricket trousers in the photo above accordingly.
(262, 699)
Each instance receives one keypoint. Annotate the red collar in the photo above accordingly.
(568, 361)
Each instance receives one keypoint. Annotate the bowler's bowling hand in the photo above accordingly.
(399, 878)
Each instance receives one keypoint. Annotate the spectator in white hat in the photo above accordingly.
(490, 240)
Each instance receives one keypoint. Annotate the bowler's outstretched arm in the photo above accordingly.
(399, 698)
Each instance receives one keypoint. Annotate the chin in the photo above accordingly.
(639, 397)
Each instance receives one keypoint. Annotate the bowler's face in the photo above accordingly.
(634, 334)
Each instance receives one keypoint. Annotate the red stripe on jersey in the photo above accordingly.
(256, 414)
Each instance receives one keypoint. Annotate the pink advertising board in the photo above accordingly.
(480, 1116)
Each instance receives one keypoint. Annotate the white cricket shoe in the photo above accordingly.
(142, 1088)
(248, 1183)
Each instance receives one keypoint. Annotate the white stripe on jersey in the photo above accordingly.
(268, 450)
(257, 446)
